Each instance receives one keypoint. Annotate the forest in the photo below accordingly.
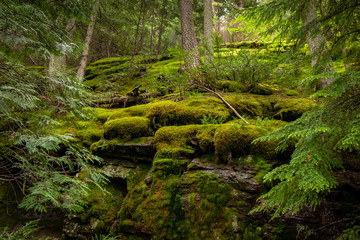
(179, 119)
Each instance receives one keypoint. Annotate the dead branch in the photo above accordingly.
(226, 103)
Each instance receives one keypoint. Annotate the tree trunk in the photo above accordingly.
(84, 56)
(152, 31)
(241, 4)
(188, 39)
(320, 54)
(208, 28)
(136, 34)
(160, 34)
(58, 63)
(344, 52)
(142, 36)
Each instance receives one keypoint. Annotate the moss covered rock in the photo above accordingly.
(183, 141)
(289, 109)
(234, 140)
(127, 128)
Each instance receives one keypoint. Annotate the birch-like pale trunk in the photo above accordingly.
(320, 55)
(57, 64)
(85, 53)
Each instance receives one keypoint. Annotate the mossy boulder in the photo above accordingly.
(249, 105)
(183, 141)
(232, 86)
(133, 111)
(262, 90)
(289, 109)
(181, 113)
(235, 140)
(127, 128)
(88, 132)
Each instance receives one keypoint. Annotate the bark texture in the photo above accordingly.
(84, 56)
(142, 6)
(188, 39)
(58, 63)
(161, 28)
(208, 28)
(321, 58)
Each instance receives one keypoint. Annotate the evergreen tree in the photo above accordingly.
(35, 156)
(322, 135)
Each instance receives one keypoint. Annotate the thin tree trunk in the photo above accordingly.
(84, 56)
(208, 28)
(344, 52)
(241, 3)
(320, 54)
(152, 31)
(188, 39)
(136, 34)
(142, 36)
(160, 34)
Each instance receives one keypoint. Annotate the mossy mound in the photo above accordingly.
(88, 132)
(106, 66)
(110, 77)
(235, 140)
(250, 105)
(290, 109)
(182, 141)
(181, 113)
(273, 106)
(85, 132)
(127, 128)
(232, 86)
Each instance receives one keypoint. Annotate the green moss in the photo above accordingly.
(232, 140)
(103, 206)
(248, 105)
(291, 109)
(291, 93)
(186, 112)
(88, 132)
(134, 111)
(172, 142)
(172, 113)
(214, 192)
(102, 114)
(165, 167)
(127, 128)
(262, 90)
(176, 141)
(232, 86)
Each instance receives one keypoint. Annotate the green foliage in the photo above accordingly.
(235, 140)
(22, 233)
(319, 138)
(104, 237)
(350, 234)
(248, 69)
(40, 158)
